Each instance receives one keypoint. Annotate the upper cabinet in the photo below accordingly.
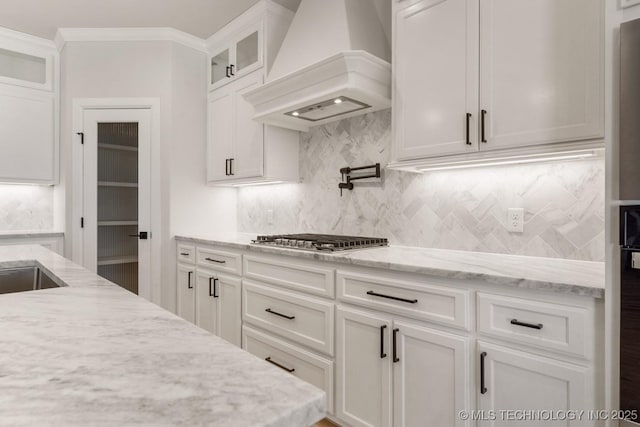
(28, 109)
(494, 76)
(241, 151)
(236, 57)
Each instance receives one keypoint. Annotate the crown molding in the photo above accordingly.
(20, 37)
(65, 35)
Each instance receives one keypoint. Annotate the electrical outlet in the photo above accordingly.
(269, 216)
(515, 220)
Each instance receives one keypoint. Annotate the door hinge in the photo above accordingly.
(81, 222)
(81, 137)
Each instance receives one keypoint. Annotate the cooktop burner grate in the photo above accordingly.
(323, 242)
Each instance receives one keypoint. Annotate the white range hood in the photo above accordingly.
(333, 64)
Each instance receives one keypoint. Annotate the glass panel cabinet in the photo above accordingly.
(240, 55)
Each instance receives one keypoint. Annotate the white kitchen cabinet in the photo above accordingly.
(363, 361)
(540, 86)
(29, 106)
(430, 378)
(218, 305)
(514, 380)
(235, 140)
(239, 56)
(541, 74)
(241, 151)
(430, 375)
(186, 304)
(436, 78)
(248, 43)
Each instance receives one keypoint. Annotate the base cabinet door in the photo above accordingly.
(218, 305)
(186, 293)
(510, 381)
(206, 301)
(431, 377)
(229, 293)
(363, 359)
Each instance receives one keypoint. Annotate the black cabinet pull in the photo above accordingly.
(268, 359)
(184, 253)
(228, 72)
(382, 353)
(395, 345)
(213, 281)
(268, 310)
(526, 325)
(215, 260)
(483, 113)
(231, 69)
(483, 389)
(410, 301)
(226, 167)
(231, 167)
(189, 285)
(468, 128)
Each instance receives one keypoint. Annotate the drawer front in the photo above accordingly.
(220, 260)
(305, 365)
(305, 320)
(186, 253)
(291, 274)
(438, 304)
(543, 325)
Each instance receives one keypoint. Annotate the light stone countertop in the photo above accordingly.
(91, 353)
(551, 274)
(21, 234)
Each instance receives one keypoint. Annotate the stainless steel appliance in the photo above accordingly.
(630, 311)
(320, 242)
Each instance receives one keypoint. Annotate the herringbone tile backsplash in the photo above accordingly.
(458, 209)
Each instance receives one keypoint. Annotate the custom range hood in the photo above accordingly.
(333, 64)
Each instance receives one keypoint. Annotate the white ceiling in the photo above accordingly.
(201, 18)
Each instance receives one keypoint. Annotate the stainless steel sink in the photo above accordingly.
(20, 279)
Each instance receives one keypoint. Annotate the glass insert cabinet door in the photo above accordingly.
(247, 51)
(220, 66)
(242, 56)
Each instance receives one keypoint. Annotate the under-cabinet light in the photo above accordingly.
(337, 101)
(295, 113)
(251, 184)
(533, 158)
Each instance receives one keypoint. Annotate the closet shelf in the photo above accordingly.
(117, 184)
(117, 147)
(111, 260)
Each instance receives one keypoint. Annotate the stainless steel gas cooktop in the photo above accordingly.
(320, 242)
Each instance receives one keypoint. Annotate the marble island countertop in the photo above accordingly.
(551, 274)
(91, 353)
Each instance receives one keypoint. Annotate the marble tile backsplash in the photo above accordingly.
(26, 207)
(463, 209)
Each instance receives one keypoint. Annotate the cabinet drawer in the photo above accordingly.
(186, 253)
(305, 320)
(543, 325)
(220, 260)
(307, 366)
(442, 305)
(291, 274)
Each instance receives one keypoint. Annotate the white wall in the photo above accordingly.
(175, 75)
